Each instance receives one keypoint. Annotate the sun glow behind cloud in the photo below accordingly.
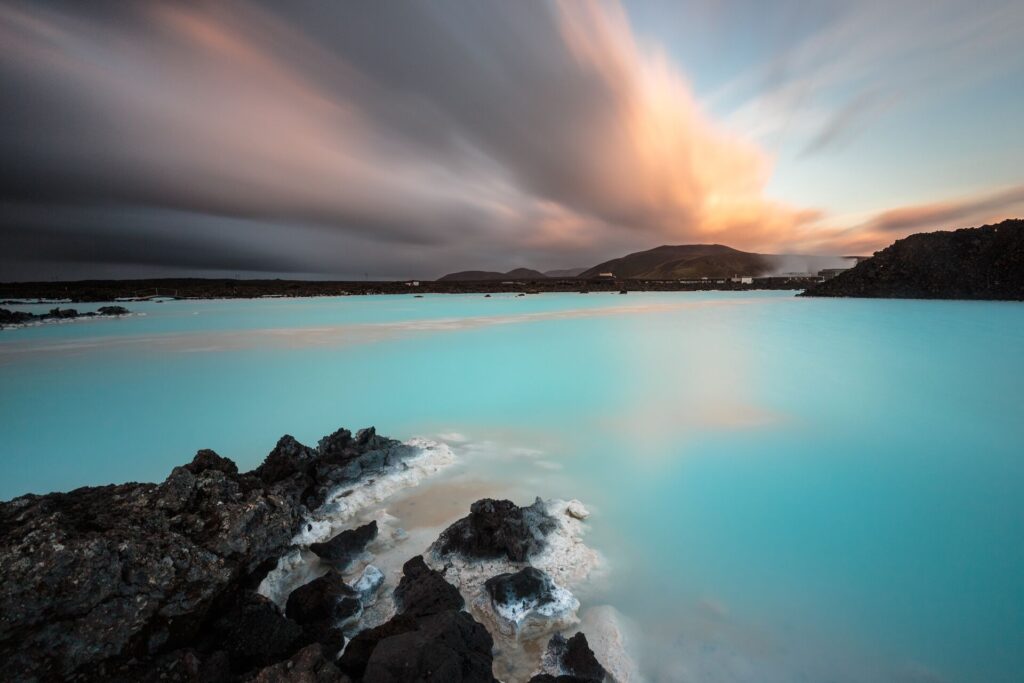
(417, 138)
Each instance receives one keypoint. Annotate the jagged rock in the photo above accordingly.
(289, 458)
(253, 633)
(357, 654)
(308, 665)
(528, 603)
(446, 647)
(8, 317)
(570, 660)
(368, 583)
(423, 591)
(972, 263)
(327, 598)
(127, 580)
(342, 549)
(498, 528)
(430, 639)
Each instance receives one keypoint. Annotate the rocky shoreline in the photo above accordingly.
(10, 318)
(985, 263)
(217, 575)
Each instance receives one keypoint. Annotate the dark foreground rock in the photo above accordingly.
(498, 529)
(146, 581)
(528, 588)
(423, 591)
(570, 661)
(973, 263)
(344, 548)
(430, 639)
(309, 665)
(8, 317)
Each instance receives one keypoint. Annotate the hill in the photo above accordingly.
(684, 261)
(564, 272)
(971, 263)
(488, 275)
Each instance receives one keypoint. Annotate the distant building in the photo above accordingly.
(604, 277)
(797, 279)
(742, 280)
(829, 273)
(412, 283)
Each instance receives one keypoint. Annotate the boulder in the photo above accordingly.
(308, 665)
(253, 633)
(573, 658)
(343, 549)
(356, 656)
(112, 310)
(498, 529)
(423, 591)
(324, 599)
(528, 603)
(447, 647)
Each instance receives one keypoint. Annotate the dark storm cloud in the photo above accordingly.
(393, 138)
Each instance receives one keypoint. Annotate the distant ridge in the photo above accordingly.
(564, 272)
(488, 275)
(685, 261)
(970, 263)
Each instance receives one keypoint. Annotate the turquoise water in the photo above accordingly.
(786, 489)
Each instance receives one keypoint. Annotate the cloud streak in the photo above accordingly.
(485, 133)
(394, 139)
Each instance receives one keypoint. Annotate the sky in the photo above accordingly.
(391, 140)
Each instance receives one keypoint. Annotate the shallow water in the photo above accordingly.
(785, 489)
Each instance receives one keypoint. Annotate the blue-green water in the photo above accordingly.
(786, 489)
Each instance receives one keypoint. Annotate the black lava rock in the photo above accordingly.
(448, 647)
(573, 659)
(528, 585)
(346, 546)
(423, 591)
(972, 263)
(327, 598)
(137, 581)
(498, 528)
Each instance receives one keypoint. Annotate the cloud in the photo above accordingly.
(338, 138)
(882, 229)
(865, 59)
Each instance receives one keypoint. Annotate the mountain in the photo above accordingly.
(971, 263)
(564, 272)
(685, 261)
(484, 275)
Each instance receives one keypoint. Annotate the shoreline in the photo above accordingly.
(219, 575)
(129, 291)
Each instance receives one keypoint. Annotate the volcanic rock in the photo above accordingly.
(342, 549)
(570, 658)
(423, 591)
(498, 529)
(135, 581)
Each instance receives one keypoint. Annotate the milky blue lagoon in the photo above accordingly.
(785, 489)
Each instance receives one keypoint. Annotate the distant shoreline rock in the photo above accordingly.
(985, 263)
(14, 318)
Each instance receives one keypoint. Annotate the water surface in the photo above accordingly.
(786, 489)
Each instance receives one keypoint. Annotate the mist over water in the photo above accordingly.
(785, 489)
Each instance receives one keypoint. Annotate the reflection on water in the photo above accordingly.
(786, 489)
